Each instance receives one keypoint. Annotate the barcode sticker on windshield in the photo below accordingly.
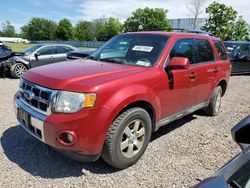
(143, 48)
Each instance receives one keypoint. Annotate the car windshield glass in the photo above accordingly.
(31, 49)
(132, 49)
(241, 178)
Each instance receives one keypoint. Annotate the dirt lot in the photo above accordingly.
(179, 155)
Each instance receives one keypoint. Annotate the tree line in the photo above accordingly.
(223, 21)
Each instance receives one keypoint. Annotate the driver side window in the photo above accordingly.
(46, 51)
(244, 50)
(183, 48)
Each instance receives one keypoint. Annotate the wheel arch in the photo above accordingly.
(147, 106)
(223, 85)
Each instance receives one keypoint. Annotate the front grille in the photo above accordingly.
(39, 96)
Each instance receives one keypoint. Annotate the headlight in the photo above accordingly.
(70, 102)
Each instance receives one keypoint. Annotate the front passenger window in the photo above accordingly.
(243, 50)
(183, 48)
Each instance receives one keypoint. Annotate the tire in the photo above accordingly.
(215, 103)
(127, 138)
(17, 70)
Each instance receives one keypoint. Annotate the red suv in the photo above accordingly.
(110, 103)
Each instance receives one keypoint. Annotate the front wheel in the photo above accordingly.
(127, 138)
(214, 103)
(17, 70)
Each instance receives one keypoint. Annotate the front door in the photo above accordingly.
(43, 56)
(178, 84)
(241, 59)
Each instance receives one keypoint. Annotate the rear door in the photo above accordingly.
(206, 68)
(61, 53)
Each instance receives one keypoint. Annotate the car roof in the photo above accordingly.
(186, 34)
(236, 42)
(48, 44)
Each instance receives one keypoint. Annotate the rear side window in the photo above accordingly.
(204, 51)
(183, 48)
(221, 51)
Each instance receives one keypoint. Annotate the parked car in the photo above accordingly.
(236, 173)
(239, 54)
(110, 103)
(5, 53)
(37, 55)
(79, 54)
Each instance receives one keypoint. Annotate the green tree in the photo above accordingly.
(64, 30)
(39, 29)
(109, 29)
(220, 21)
(148, 19)
(241, 30)
(8, 30)
(85, 31)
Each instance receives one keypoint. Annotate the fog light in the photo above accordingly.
(67, 138)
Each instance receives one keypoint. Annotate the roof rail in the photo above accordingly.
(192, 31)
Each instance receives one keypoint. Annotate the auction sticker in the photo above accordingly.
(143, 48)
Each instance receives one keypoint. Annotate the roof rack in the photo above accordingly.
(192, 31)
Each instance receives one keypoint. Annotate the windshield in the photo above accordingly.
(31, 49)
(132, 49)
(241, 178)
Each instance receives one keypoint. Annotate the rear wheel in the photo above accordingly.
(127, 138)
(214, 103)
(17, 70)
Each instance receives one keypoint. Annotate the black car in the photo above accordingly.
(79, 54)
(5, 53)
(239, 54)
(236, 173)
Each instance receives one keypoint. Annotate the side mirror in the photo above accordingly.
(36, 55)
(177, 63)
(241, 133)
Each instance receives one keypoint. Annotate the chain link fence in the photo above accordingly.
(87, 44)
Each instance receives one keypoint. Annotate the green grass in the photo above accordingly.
(18, 47)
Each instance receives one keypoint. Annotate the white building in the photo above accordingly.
(13, 39)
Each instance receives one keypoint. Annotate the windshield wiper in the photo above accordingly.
(112, 60)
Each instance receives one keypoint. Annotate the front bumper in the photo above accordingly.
(36, 120)
(90, 125)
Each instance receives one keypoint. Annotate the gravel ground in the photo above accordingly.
(179, 155)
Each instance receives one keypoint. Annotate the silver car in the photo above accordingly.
(38, 55)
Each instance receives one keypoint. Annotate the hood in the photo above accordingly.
(79, 75)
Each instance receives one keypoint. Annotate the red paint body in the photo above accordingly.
(118, 86)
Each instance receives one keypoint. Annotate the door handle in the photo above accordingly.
(192, 75)
(215, 70)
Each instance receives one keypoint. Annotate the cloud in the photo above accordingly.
(92, 9)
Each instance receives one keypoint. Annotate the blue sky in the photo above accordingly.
(19, 12)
